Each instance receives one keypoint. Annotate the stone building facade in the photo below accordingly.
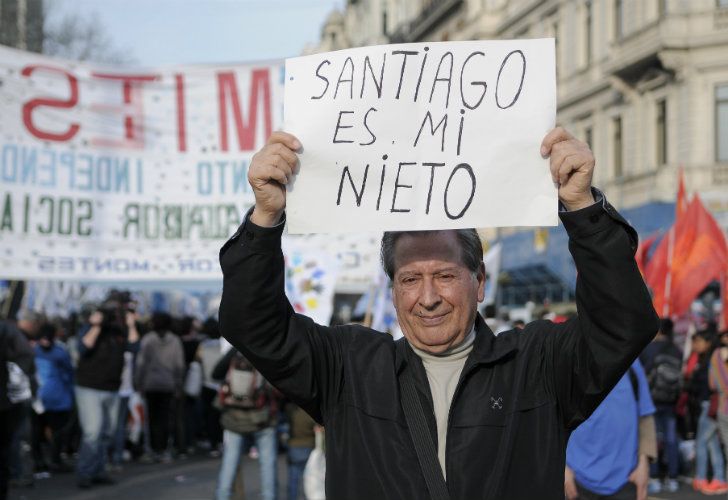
(21, 24)
(645, 82)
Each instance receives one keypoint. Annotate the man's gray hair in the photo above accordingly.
(470, 246)
(30, 316)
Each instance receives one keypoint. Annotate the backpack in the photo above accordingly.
(16, 386)
(664, 377)
(245, 398)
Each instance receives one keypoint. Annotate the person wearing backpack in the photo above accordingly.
(17, 371)
(598, 466)
(718, 380)
(662, 361)
(707, 443)
(249, 409)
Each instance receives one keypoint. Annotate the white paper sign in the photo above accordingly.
(422, 136)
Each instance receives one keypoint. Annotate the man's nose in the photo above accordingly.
(430, 296)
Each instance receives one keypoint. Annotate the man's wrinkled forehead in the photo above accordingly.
(423, 246)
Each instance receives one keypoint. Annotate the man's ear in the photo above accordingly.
(481, 282)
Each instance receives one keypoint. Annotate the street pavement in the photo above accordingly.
(191, 479)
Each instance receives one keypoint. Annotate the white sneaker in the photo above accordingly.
(671, 485)
(654, 486)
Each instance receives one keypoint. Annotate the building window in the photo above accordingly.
(721, 123)
(617, 147)
(618, 19)
(722, 4)
(521, 33)
(384, 22)
(661, 8)
(555, 33)
(588, 32)
(9, 34)
(589, 137)
(661, 131)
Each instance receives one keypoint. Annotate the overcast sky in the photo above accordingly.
(205, 31)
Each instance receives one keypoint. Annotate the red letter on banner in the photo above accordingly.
(30, 106)
(134, 121)
(226, 84)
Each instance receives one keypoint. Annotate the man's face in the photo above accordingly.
(434, 294)
(29, 327)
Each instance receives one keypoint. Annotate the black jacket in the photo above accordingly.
(101, 366)
(15, 348)
(519, 395)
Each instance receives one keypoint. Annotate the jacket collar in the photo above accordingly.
(487, 347)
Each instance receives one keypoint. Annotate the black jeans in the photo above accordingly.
(628, 492)
(211, 417)
(159, 406)
(57, 422)
(9, 422)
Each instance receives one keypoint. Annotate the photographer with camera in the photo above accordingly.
(112, 330)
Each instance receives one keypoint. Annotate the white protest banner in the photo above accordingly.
(492, 260)
(422, 136)
(119, 174)
(310, 280)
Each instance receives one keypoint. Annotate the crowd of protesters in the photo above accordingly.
(90, 393)
(689, 388)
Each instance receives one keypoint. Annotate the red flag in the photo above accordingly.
(658, 272)
(700, 255)
(641, 255)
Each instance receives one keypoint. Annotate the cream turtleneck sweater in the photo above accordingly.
(443, 373)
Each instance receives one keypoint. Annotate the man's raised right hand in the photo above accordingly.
(271, 169)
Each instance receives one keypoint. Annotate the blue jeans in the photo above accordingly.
(706, 441)
(98, 412)
(665, 424)
(265, 441)
(297, 458)
(117, 447)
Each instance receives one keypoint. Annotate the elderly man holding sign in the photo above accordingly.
(450, 410)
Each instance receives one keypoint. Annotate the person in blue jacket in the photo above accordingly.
(55, 375)
(608, 455)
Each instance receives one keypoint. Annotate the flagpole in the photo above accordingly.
(668, 276)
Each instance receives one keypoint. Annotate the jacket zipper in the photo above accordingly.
(463, 375)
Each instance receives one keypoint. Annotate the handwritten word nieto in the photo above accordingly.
(445, 86)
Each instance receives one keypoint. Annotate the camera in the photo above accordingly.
(114, 308)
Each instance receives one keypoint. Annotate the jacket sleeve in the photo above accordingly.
(300, 358)
(66, 367)
(21, 353)
(219, 372)
(588, 355)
